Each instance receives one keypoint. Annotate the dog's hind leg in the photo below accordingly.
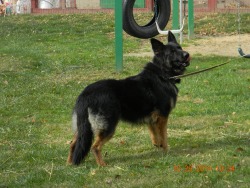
(103, 125)
(100, 140)
(72, 148)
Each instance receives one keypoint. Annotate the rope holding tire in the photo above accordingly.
(149, 30)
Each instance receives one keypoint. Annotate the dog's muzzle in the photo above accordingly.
(187, 59)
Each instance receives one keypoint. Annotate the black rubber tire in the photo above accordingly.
(149, 30)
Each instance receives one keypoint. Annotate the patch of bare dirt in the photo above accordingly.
(222, 45)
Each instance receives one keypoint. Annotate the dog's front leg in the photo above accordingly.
(162, 127)
(154, 135)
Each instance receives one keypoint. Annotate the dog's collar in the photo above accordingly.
(164, 75)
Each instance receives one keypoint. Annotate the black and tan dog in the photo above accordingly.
(147, 97)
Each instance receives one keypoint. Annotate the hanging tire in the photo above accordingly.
(149, 30)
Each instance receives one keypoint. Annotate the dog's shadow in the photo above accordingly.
(136, 158)
(150, 155)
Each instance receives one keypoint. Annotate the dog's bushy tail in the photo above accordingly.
(84, 137)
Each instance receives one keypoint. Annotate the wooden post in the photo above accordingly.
(212, 5)
(149, 4)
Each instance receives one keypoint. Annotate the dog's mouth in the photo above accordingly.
(181, 65)
(186, 62)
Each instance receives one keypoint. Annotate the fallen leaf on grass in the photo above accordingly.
(93, 172)
(239, 149)
(6, 82)
(69, 142)
(122, 142)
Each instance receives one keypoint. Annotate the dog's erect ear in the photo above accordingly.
(157, 46)
(171, 37)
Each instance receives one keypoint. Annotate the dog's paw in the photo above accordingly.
(158, 146)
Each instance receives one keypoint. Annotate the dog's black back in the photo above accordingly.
(136, 99)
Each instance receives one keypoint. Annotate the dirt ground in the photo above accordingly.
(223, 45)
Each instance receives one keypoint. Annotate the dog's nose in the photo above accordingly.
(186, 59)
(186, 55)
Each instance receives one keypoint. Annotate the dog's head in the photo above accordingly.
(170, 57)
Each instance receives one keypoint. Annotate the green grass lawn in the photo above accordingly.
(46, 61)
